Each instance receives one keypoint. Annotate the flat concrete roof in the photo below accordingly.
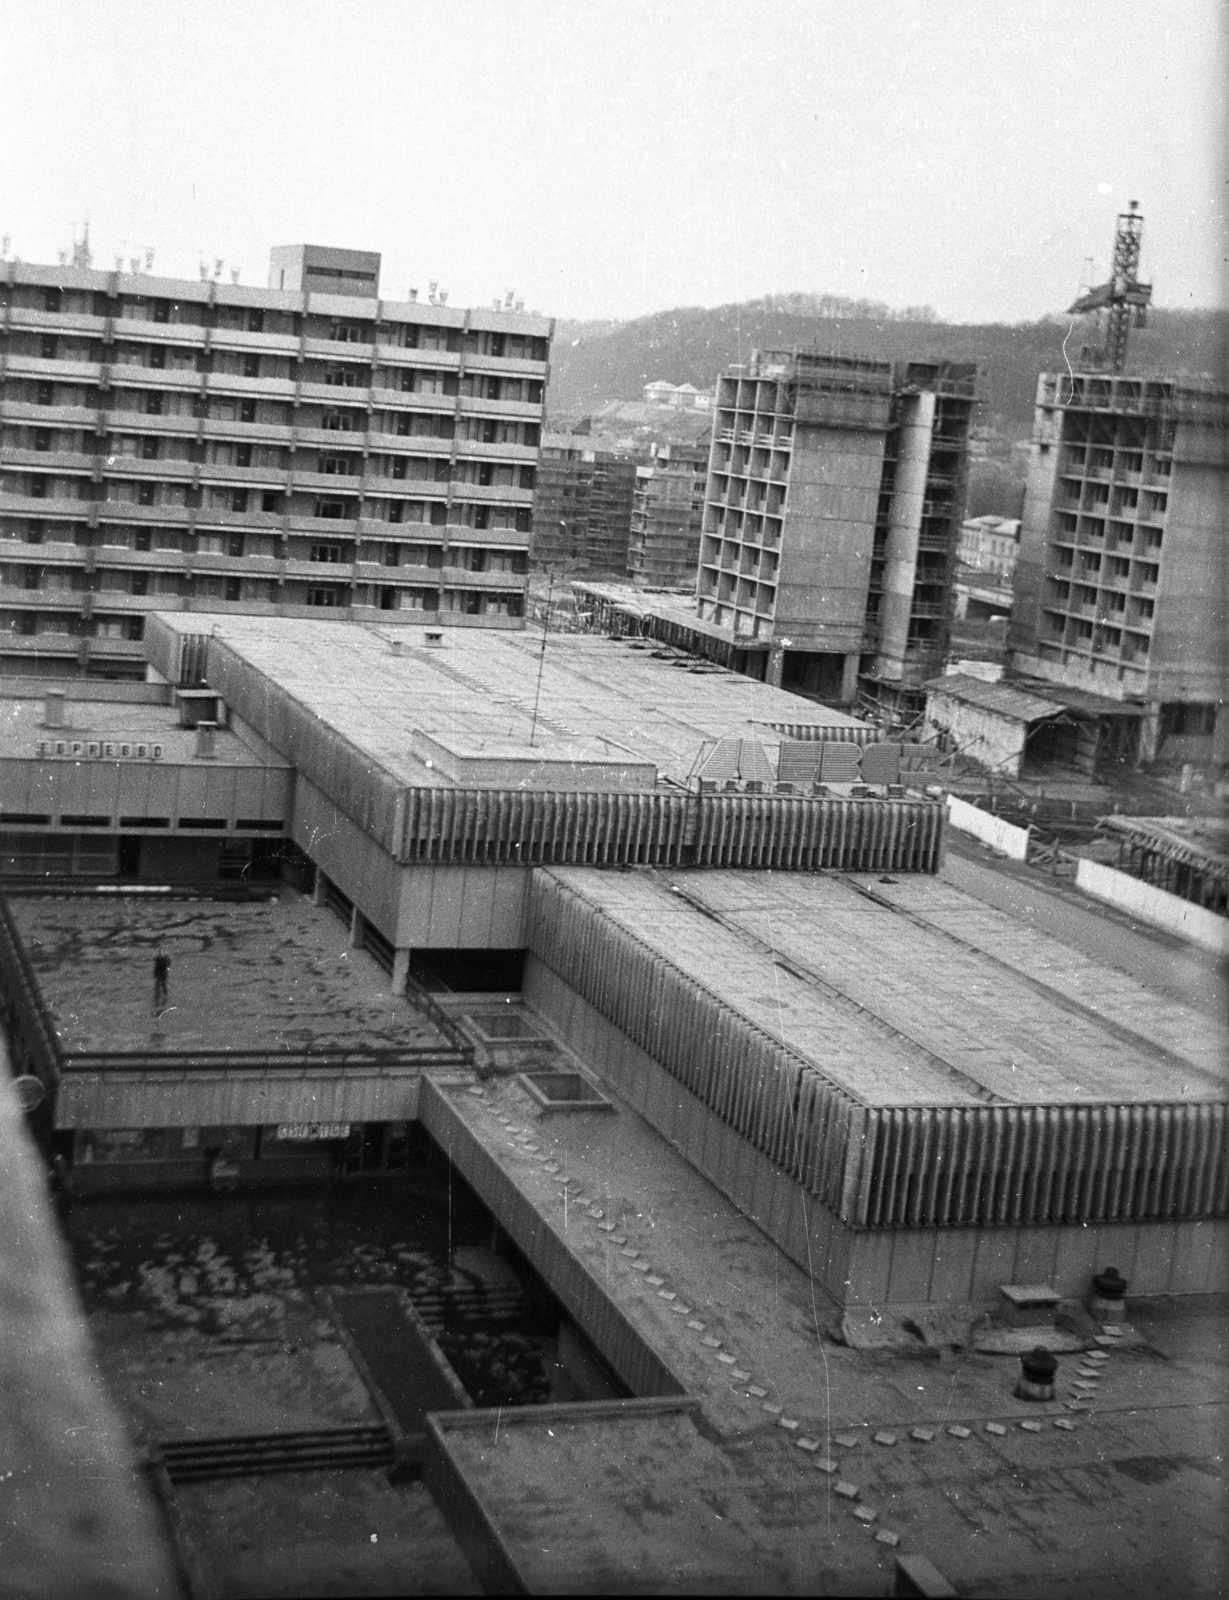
(598, 701)
(117, 722)
(678, 608)
(911, 992)
(271, 976)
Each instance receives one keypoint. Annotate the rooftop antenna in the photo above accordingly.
(204, 272)
(149, 258)
(83, 256)
(1123, 297)
(218, 265)
(5, 245)
(134, 265)
(234, 274)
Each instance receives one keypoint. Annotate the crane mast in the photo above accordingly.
(1124, 298)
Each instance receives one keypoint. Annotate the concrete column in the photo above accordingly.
(849, 680)
(904, 528)
(356, 929)
(401, 970)
(318, 888)
(775, 666)
(1150, 732)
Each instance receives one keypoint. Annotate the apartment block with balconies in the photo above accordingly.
(171, 445)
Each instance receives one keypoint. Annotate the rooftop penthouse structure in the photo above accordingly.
(1122, 581)
(835, 496)
(170, 445)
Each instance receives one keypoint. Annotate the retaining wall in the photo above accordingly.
(1157, 907)
(999, 835)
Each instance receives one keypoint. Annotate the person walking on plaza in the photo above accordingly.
(162, 974)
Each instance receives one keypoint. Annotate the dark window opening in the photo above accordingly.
(469, 971)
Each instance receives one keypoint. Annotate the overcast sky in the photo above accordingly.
(618, 158)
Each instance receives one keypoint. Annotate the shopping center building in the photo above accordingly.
(377, 858)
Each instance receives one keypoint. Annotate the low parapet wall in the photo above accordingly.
(1001, 836)
(1157, 907)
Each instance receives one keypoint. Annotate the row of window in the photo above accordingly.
(236, 591)
(274, 413)
(238, 364)
(278, 458)
(269, 502)
(259, 319)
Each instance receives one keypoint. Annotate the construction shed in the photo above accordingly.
(1025, 725)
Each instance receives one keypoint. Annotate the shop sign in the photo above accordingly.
(313, 1130)
(99, 749)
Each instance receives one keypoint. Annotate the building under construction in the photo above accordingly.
(667, 516)
(1122, 579)
(835, 496)
(582, 505)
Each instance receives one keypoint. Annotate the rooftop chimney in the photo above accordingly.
(53, 709)
(206, 739)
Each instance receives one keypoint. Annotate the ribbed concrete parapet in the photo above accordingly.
(875, 1173)
(495, 826)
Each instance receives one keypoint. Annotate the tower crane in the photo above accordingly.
(1124, 297)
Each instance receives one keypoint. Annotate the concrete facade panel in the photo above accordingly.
(511, 907)
(994, 1264)
(951, 1275)
(192, 796)
(828, 1229)
(1075, 1260)
(1193, 1269)
(1036, 1255)
(1154, 1259)
(913, 1253)
(870, 1267)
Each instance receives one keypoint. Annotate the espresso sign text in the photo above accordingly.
(99, 749)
